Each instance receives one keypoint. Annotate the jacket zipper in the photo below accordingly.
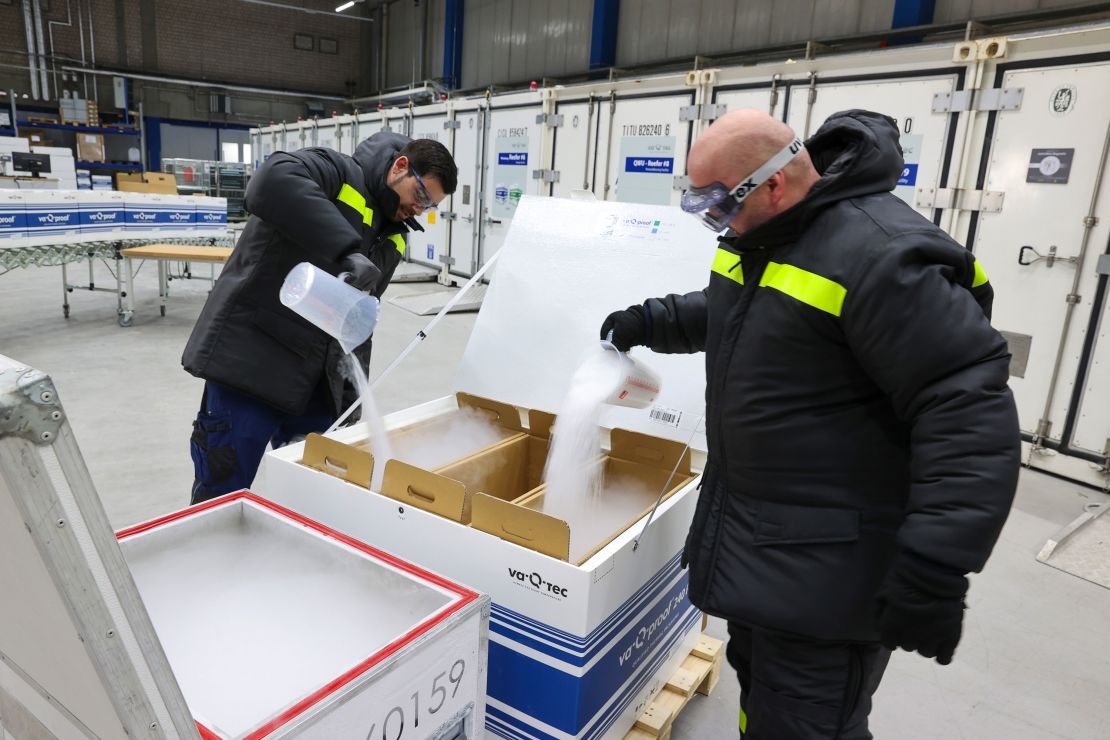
(743, 307)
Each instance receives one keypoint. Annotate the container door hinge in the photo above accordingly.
(681, 182)
(546, 175)
(703, 112)
(452, 124)
(448, 215)
(995, 98)
(986, 201)
(447, 260)
(550, 119)
(1103, 266)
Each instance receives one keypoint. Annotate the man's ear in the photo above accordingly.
(776, 187)
(401, 164)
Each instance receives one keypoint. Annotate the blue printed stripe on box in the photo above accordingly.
(615, 699)
(211, 217)
(569, 683)
(102, 217)
(13, 221)
(43, 220)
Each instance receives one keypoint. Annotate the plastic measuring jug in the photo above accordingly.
(637, 384)
(340, 309)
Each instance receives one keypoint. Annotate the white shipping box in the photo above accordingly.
(310, 634)
(13, 217)
(14, 144)
(576, 651)
(52, 213)
(211, 213)
(102, 211)
(151, 214)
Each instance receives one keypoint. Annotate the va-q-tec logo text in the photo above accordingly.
(55, 218)
(538, 583)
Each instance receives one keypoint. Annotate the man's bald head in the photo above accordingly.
(734, 147)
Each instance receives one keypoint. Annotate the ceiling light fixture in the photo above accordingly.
(345, 6)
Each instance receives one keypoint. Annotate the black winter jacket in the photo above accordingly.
(857, 400)
(312, 205)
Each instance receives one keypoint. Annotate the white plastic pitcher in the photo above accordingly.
(637, 386)
(340, 309)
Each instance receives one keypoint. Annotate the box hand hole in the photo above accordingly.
(413, 493)
(335, 466)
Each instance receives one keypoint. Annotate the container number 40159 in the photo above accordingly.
(396, 721)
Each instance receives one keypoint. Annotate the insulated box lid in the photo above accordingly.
(567, 265)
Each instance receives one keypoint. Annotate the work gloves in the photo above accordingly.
(629, 328)
(359, 271)
(921, 608)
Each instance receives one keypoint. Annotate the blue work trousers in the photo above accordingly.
(232, 430)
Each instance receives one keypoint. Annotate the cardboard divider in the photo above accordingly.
(426, 490)
(643, 462)
(335, 458)
(522, 526)
(509, 470)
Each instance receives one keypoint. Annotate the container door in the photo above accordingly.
(576, 144)
(513, 142)
(644, 147)
(909, 100)
(428, 246)
(325, 135)
(759, 98)
(469, 142)
(1044, 159)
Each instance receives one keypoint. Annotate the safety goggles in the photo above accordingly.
(424, 199)
(716, 205)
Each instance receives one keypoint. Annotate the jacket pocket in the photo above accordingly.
(789, 524)
(292, 332)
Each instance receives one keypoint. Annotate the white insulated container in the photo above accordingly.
(277, 626)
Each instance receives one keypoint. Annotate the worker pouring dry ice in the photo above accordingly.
(270, 374)
(863, 442)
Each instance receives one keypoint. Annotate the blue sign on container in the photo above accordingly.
(656, 165)
(909, 175)
(520, 158)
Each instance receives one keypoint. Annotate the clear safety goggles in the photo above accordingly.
(716, 205)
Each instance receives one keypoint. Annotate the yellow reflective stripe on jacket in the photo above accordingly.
(743, 720)
(980, 276)
(399, 241)
(728, 264)
(807, 287)
(351, 197)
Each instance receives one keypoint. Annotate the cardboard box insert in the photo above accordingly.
(635, 471)
(509, 470)
(427, 445)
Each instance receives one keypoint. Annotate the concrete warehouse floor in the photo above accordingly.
(1034, 662)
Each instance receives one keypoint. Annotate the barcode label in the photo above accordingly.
(663, 415)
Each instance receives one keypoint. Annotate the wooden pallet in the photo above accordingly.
(698, 674)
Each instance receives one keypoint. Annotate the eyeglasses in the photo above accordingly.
(716, 205)
(424, 200)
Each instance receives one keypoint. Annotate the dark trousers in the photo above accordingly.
(232, 430)
(797, 689)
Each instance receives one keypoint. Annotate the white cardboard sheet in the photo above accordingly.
(553, 288)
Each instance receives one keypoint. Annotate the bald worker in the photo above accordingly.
(863, 442)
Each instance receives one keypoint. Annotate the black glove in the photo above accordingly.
(921, 608)
(628, 326)
(361, 272)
